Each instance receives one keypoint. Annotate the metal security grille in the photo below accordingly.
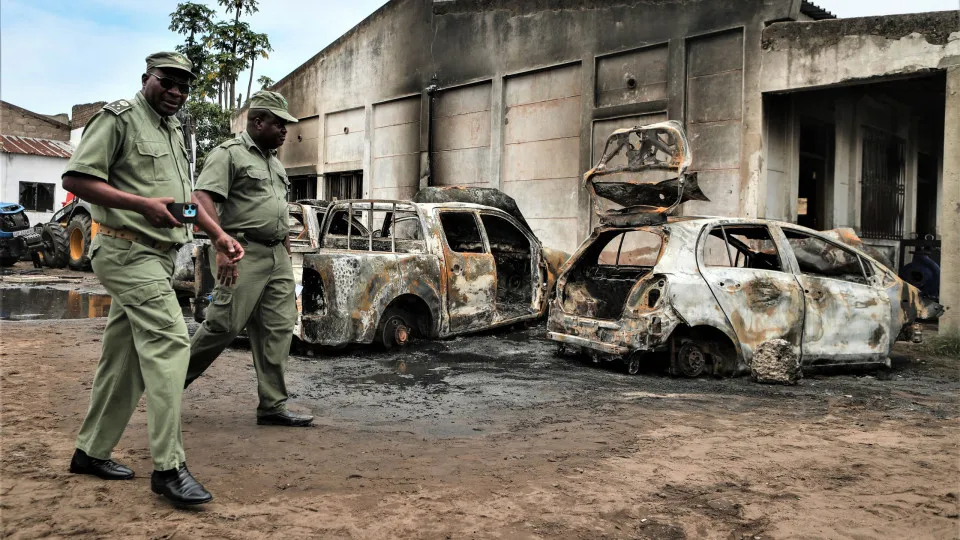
(342, 186)
(882, 186)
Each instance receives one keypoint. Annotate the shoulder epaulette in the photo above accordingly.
(119, 106)
(230, 142)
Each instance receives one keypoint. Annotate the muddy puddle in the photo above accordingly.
(25, 304)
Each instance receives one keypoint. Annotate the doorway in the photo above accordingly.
(816, 167)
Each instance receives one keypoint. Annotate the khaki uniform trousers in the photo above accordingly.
(264, 301)
(145, 348)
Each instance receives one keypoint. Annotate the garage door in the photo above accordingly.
(541, 151)
(461, 136)
(396, 149)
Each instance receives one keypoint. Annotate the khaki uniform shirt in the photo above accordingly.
(134, 149)
(254, 186)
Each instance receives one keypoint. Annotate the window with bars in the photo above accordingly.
(346, 185)
(37, 196)
(882, 184)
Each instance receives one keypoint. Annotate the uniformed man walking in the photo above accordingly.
(245, 177)
(130, 164)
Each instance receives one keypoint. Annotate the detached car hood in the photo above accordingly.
(662, 146)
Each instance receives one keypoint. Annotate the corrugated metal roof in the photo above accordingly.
(815, 12)
(35, 147)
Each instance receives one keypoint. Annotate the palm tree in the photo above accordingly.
(255, 44)
(237, 6)
(265, 82)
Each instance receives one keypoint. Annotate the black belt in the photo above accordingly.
(240, 235)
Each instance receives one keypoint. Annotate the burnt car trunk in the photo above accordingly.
(600, 281)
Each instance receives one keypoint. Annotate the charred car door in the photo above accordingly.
(847, 318)
(745, 272)
(521, 270)
(470, 272)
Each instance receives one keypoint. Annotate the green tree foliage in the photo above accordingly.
(220, 51)
(265, 82)
(212, 125)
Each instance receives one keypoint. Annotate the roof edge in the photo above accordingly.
(35, 115)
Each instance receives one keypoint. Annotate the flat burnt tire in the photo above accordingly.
(691, 361)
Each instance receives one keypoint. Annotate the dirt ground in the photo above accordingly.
(493, 436)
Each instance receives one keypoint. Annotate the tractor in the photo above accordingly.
(70, 230)
(17, 239)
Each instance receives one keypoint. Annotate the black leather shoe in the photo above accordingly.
(285, 418)
(179, 487)
(107, 469)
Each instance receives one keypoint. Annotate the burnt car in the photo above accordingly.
(402, 269)
(194, 279)
(707, 291)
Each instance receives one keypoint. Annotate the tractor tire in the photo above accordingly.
(8, 261)
(56, 248)
(78, 237)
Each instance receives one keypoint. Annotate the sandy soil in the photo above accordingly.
(492, 437)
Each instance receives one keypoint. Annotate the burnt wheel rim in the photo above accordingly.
(398, 332)
(692, 361)
(633, 366)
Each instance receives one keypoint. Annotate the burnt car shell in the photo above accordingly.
(709, 291)
(450, 269)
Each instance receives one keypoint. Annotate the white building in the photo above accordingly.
(30, 170)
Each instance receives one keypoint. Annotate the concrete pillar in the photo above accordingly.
(949, 224)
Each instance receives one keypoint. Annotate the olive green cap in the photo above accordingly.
(273, 102)
(170, 60)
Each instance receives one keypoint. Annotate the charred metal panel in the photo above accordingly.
(354, 289)
(844, 321)
(630, 175)
(472, 195)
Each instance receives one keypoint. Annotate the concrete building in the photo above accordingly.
(34, 149)
(80, 115)
(790, 113)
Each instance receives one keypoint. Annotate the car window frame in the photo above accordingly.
(476, 220)
(850, 249)
(772, 233)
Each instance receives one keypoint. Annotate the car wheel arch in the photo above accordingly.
(717, 342)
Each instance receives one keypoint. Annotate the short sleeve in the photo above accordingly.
(215, 176)
(98, 148)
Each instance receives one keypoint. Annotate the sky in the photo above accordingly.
(58, 53)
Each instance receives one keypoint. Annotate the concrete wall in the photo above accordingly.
(523, 92)
(845, 51)
(18, 168)
(23, 123)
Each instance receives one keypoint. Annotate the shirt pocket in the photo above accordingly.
(256, 181)
(154, 156)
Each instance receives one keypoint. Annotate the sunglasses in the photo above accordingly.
(167, 84)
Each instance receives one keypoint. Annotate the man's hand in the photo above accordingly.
(227, 271)
(229, 247)
(156, 213)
